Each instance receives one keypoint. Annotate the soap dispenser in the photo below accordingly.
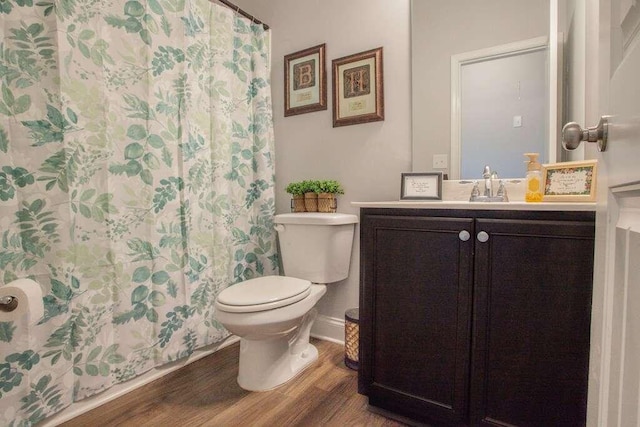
(533, 191)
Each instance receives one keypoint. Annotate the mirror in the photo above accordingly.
(459, 28)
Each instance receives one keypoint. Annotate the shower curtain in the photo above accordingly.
(136, 182)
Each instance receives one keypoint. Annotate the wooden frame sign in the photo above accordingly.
(421, 186)
(305, 81)
(358, 93)
(570, 181)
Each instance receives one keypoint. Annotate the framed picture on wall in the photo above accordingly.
(305, 81)
(358, 94)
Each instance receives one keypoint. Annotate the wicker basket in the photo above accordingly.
(311, 202)
(327, 202)
(297, 203)
(351, 337)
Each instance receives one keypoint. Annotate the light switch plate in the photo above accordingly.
(517, 121)
(440, 161)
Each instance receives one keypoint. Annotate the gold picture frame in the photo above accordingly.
(305, 81)
(570, 181)
(358, 88)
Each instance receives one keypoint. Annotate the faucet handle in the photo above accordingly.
(502, 191)
(475, 191)
(486, 173)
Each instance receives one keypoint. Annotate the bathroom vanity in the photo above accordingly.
(476, 314)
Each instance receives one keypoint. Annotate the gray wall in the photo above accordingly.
(368, 158)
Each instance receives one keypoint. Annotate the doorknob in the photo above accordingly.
(573, 134)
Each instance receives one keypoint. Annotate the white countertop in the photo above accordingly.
(455, 195)
(450, 204)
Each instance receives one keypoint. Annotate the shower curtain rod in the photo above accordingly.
(243, 13)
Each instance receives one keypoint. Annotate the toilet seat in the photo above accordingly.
(263, 293)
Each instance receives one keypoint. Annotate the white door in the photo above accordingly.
(614, 49)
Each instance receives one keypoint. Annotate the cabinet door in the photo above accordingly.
(415, 315)
(532, 311)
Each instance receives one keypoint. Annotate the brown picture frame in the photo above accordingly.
(305, 81)
(358, 88)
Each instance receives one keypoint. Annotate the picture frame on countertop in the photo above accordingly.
(305, 81)
(421, 186)
(570, 181)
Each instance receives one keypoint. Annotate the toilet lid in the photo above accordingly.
(263, 293)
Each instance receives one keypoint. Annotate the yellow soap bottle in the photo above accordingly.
(533, 191)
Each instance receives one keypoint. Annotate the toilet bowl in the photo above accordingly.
(273, 315)
(274, 334)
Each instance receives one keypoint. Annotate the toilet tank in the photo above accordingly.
(316, 246)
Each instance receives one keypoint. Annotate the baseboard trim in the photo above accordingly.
(86, 405)
(328, 329)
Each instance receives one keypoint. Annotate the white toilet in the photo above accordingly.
(273, 315)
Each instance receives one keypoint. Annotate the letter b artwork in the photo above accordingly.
(305, 88)
(304, 75)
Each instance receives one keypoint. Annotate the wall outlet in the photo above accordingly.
(440, 161)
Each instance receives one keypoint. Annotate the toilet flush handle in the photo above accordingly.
(279, 228)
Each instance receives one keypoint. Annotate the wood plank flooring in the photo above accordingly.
(205, 393)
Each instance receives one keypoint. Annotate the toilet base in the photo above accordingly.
(267, 364)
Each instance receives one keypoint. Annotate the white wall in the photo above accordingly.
(368, 158)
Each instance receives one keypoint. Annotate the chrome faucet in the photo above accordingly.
(488, 194)
(488, 184)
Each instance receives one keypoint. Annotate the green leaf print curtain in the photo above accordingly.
(136, 182)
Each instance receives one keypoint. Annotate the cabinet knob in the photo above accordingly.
(464, 235)
(482, 236)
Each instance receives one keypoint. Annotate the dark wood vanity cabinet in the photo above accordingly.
(415, 313)
(459, 331)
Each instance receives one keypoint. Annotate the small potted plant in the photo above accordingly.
(297, 192)
(310, 190)
(327, 191)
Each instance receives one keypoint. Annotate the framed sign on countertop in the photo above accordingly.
(421, 186)
(570, 181)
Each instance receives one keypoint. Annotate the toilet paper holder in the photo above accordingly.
(8, 303)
